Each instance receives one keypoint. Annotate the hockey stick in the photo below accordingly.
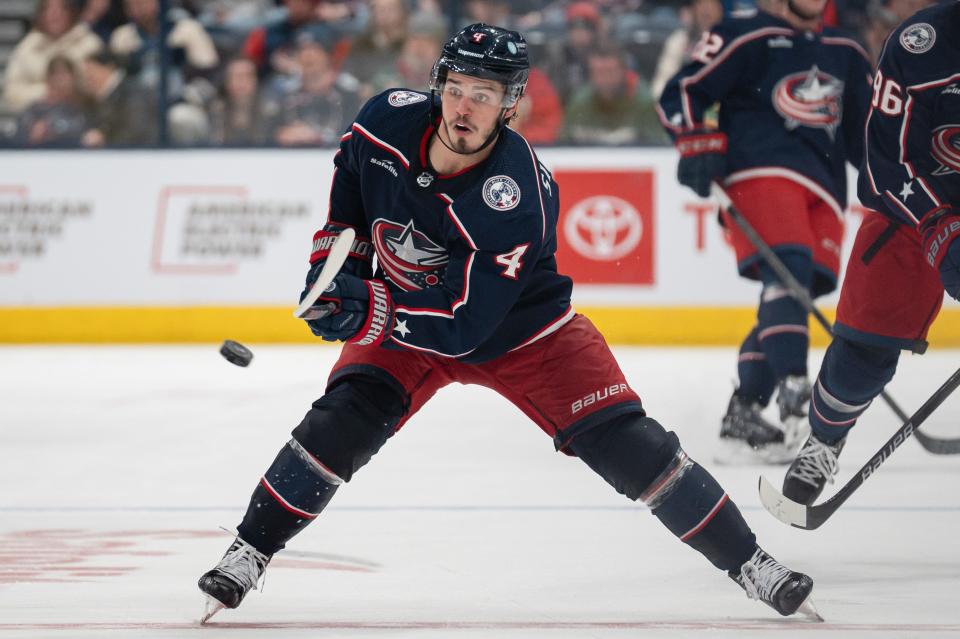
(934, 445)
(811, 517)
(335, 259)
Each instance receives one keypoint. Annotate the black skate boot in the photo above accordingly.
(815, 465)
(237, 574)
(766, 579)
(793, 396)
(746, 437)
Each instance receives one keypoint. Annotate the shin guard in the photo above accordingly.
(293, 491)
(782, 320)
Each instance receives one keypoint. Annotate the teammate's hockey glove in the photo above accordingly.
(703, 159)
(358, 311)
(940, 230)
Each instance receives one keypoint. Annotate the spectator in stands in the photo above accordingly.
(426, 35)
(58, 119)
(566, 63)
(124, 113)
(273, 47)
(379, 46)
(103, 16)
(698, 16)
(616, 108)
(316, 112)
(56, 31)
(540, 114)
(194, 58)
(241, 116)
(496, 12)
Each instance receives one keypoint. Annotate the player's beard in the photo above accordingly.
(460, 144)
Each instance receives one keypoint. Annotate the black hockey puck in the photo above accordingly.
(236, 353)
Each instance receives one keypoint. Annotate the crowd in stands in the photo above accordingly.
(294, 72)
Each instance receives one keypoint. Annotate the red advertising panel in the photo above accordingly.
(606, 230)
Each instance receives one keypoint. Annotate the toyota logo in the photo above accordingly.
(603, 227)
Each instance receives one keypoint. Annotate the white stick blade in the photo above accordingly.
(335, 259)
(784, 509)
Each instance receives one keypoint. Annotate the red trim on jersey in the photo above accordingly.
(380, 143)
(423, 154)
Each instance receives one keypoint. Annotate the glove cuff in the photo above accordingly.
(323, 241)
(379, 322)
(699, 142)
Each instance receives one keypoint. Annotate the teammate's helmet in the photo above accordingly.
(488, 52)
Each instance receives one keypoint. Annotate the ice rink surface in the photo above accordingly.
(118, 465)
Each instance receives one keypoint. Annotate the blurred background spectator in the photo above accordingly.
(59, 118)
(293, 72)
(56, 31)
(615, 108)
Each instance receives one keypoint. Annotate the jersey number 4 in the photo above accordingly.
(512, 261)
(887, 96)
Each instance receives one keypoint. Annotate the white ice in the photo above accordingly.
(118, 465)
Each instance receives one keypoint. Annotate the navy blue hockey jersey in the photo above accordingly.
(469, 257)
(792, 103)
(912, 163)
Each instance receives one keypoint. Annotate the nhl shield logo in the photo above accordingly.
(918, 38)
(403, 98)
(501, 193)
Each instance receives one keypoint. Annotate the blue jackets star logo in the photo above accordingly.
(409, 258)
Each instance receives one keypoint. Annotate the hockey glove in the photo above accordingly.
(357, 311)
(941, 249)
(702, 159)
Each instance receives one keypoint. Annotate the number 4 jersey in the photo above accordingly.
(912, 155)
(792, 103)
(469, 257)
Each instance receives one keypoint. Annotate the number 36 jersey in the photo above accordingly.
(469, 257)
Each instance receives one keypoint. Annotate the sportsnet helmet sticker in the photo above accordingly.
(945, 149)
(811, 98)
(404, 98)
(918, 38)
(501, 193)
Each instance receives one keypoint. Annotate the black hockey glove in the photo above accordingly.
(360, 311)
(702, 159)
(940, 230)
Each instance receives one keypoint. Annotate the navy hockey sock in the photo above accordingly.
(851, 375)
(782, 320)
(698, 511)
(293, 491)
(757, 379)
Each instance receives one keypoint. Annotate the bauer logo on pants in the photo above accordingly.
(605, 233)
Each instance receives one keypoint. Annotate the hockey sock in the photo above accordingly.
(782, 320)
(698, 511)
(851, 375)
(757, 379)
(293, 491)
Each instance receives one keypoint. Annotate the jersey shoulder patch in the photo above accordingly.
(404, 97)
(918, 38)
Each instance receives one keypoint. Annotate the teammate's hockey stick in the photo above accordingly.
(811, 517)
(933, 445)
(335, 259)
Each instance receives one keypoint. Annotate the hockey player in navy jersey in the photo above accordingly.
(906, 254)
(462, 219)
(792, 97)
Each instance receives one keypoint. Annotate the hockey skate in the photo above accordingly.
(815, 465)
(784, 590)
(793, 396)
(747, 438)
(229, 582)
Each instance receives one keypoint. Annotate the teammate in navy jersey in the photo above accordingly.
(906, 254)
(793, 96)
(462, 218)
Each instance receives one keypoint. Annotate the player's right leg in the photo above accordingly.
(888, 301)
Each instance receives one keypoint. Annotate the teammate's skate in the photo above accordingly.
(745, 436)
(784, 590)
(815, 465)
(229, 582)
(793, 396)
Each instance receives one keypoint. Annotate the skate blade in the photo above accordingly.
(739, 453)
(212, 607)
(809, 610)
